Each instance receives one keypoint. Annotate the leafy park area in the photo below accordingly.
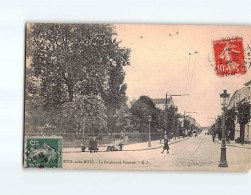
(75, 85)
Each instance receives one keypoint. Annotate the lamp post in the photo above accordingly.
(149, 133)
(223, 157)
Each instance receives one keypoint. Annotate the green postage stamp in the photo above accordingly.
(43, 152)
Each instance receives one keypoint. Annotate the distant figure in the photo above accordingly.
(228, 140)
(213, 136)
(228, 137)
(95, 144)
(91, 144)
(120, 146)
(111, 148)
(166, 147)
(83, 147)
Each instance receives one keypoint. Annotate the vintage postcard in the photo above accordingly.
(137, 97)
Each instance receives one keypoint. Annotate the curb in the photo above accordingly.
(234, 145)
(135, 149)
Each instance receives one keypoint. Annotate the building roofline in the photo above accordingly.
(162, 100)
(247, 83)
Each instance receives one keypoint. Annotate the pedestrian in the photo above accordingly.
(166, 146)
(95, 144)
(213, 136)
(228, 137)
(83, 147)
(120, 145)
(91, 144)
(228, 140)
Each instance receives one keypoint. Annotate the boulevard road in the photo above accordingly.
(195, 153)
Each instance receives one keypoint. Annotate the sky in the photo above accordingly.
(160, 64)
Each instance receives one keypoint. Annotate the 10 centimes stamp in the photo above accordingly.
(43, 152)
(229, 56)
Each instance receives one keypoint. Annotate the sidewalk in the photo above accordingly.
(233, 144)
(155, 144)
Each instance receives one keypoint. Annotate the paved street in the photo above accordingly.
(189, 154)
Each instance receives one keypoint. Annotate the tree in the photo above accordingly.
(243, 117)
(153, 111)
(212, 129)
(193, 127)
(140, 112)
(230, 123)
(170, 119)
(123, 118)
(162, 120)
(82, 109)
(69, 62)
(219, 127)
(148, 101)
(177, 124)
(187, 124)
(141, 109)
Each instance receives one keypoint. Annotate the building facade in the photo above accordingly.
(161, 102)
(241, 95)
(190, 119)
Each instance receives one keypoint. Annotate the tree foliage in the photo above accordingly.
(187, 124)
(193, 127)
(230, 123)
(243, 113)
(76, 66)
(140, 112)
(123, 119)
(219, 127)
(170, 119)
(243, 117)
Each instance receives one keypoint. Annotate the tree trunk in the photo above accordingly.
(70, 91)
(242, 133)
(83, 129)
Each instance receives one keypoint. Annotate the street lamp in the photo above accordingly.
(149, 135)
(224, 102)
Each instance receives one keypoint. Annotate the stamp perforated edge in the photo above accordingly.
(60, 163)
(212, 63)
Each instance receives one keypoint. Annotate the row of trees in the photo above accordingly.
(242, 113)
(136, 118)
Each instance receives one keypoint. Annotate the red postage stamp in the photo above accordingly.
(229, 56)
